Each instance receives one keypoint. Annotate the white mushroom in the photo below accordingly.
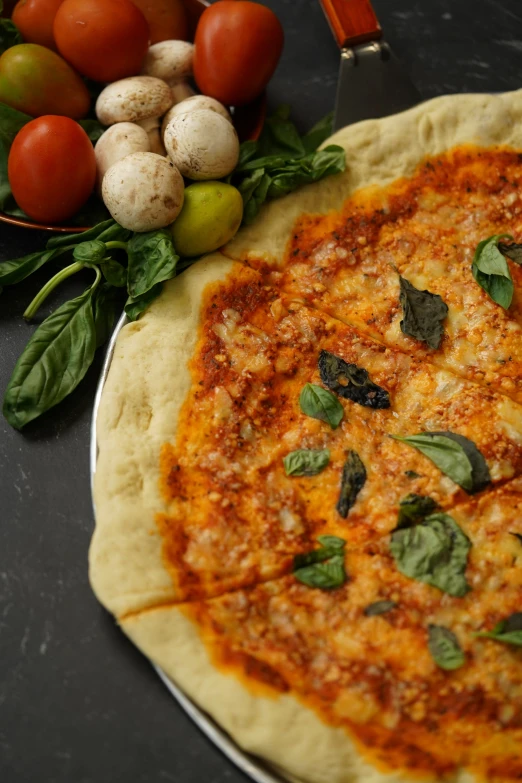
(180, 91)
(132, 99)
(169, 60)
(143, 191)
(202, 144)
(116, 143)
(152, 128)
(193, 104)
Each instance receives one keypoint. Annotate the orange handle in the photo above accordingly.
(352, 21)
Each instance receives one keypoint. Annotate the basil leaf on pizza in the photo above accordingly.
(512, 251)
(518, 536)
(413, 508)
(321, 404)
(508, 631)
(306, 462)
(379, 607)
(152, 260)
(322, 568)
(412, 474)
(454, 455)
(490, 270)
(423, 314)
(351, 382)
(435, 552)
(444, 648)
(353, 480)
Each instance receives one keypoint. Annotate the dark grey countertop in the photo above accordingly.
(78, 704)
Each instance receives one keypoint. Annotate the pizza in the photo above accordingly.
(309, 484)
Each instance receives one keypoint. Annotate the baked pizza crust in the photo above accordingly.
(147, 384)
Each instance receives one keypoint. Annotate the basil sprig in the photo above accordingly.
(445, 648)
(414, 508)
(435, 552)
(423, 314)
(324, 567)
(379, 607)
(321, 404)
(306, 462)
(351, 382)
(353, 480)
(454, 455)
(508, 631)
(491, 271)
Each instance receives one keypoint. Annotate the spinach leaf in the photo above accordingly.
(93, 129)
(11, 121)
(152, 260)
(445, 648)
(9, 34)
(16, 270)
(423, 314)
(379, 607)
(135, 306)
(413, 508)
(353, 480)
(321, 131)
(435, 552)
(517, 536)
(114, 273)
(512, 251)
(322, 568)
(54, 361)
(306, 462)
(96, 232)
(447, 455)
(490, 270)
(321, 404)
(508, 631)
(351, 382)
(90, 252)
(104, 304)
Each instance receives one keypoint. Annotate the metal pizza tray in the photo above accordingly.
(248, 764)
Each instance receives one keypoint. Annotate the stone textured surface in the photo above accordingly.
(78, 704)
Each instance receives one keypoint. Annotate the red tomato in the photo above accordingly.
(105, 40)
(238, 45)
(34, 19)
(51, 168)
(167, 19)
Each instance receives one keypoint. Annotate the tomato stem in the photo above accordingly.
(49, 287)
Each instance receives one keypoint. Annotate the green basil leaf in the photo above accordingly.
(508, 631)
(447, 455)
(113, 232)
(306, 462)
(379, 607)
(321, 131)
(332, 542)
(517, 536)
(280, 136)
(9, 35)
(444, 648)
(54, 361)
(353, 480)
(11, 122)
(104, 305)
(321, 404)
(480, 475)
(324, 567)
(512, 251)
(152, 260)
(490, 270)
(330, 546)
(135, 306)
(435, 552)
(413, 508)
(93, 129)
(423, 314)
(12, 272)
(114, 273)
(96, 232)
(90, 252)
(351, 382)
(412, 474)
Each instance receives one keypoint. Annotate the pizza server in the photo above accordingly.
(372, 81)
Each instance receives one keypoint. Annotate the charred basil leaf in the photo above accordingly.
(445, 453)
(352, 481)
(423, 314)
(306, 462)
(321, 404)
(445, 648)
(324, 567)
(411, 474)
(414, 508)
(490, 270)
(512, 251)
(351, 382)
(517, 535)
(379, 607)
(508, 631)
(435, 552)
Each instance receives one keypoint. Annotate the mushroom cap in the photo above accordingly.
(202, 144)
(169, 60)
(132, 99)
(193, 104)
(143, 191)
(116, 143)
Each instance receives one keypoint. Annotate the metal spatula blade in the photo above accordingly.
(372, 81)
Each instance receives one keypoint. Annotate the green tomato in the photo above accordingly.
(211, 215)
